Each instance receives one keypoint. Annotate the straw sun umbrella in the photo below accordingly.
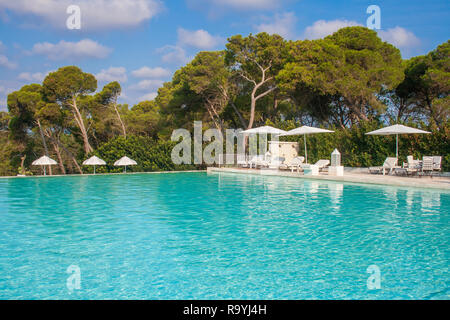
(94, 161)
(396, 129)
(44, 161)
(124, 162)
(304, 130)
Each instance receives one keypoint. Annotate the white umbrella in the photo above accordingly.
(304, 130)
(44, 161)
(264, 129)
(396, 129)
(124, 162)
(94, 161)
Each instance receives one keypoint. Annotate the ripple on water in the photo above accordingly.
(220, 236)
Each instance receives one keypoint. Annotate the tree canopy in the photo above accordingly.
(351, 80)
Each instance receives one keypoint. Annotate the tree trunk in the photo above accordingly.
(255, 98)
(80, 122)
(60, 161)
(22, 161)
(45, 144)
(241, 119)
(252, 111)
(120, 120)
(56, 141)
(211, 115)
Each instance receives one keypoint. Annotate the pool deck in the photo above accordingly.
(442, 183)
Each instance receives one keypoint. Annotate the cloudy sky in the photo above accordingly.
(140, 43)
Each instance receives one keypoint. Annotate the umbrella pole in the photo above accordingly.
(396, 146)
(125, 169)
(306, 153)
(45, 173)
(94, 168)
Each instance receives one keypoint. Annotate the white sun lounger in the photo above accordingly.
(322, 164)
(389, 164)
(295, 163)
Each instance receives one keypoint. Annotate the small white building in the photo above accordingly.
(287, 150)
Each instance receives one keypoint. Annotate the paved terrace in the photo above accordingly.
(353, 176)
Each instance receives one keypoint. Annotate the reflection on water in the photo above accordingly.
(194, 236)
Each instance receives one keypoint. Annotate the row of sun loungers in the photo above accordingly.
(266, 161)
(428, 165)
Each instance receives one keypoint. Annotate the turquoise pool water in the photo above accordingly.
(220, 236)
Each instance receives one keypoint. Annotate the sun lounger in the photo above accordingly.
(322, 164)
(276, 162)
(389, 165)
(242, 161)
(437, 163)
(258, 161)
(314, 169)
(294, 164)
(411, 163)
(410, 167)
(427, 165)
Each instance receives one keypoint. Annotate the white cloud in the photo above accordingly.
(2, 47)
(85, 48)
(247, 4)
(6, 63)
(112, 74)
(282, 24)
(37, 76)
(322, 28)
(173, 54)
(95, 14)
(149, 84)
(146, 72)
(149, 96)
(200, 39)
(4, 91)
(399, 37)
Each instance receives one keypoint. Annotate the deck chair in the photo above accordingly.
(411, 167)
(294, 164)
(258, 161)
(411, 163)
(276, 162)
(322, 164)
(437, 162)
(389, 165)
(427, 165)
(242, 161)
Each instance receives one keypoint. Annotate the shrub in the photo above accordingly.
(150, 155)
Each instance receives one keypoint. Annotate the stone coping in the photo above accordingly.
(442, 183)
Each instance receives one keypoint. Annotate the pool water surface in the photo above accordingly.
(220, 236)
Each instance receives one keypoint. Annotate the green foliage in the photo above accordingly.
(341, 74)
(350, 81)
(143, 119)
(149, 154)
(427, 84)
(360, 150)
(67, 83)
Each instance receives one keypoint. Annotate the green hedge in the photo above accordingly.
(149, 154)
(361, 150)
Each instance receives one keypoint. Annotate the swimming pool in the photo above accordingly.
(220, 236)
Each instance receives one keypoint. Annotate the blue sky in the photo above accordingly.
(140, 43)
